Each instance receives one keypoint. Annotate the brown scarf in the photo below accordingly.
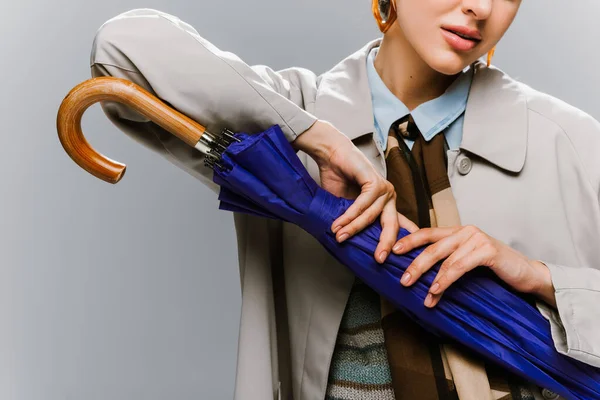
(422, 367)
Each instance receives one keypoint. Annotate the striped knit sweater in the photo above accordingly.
(359, 366)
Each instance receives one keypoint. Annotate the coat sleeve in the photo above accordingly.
(169, 58)
(575, 323)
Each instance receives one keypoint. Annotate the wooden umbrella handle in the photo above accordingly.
(68, 121)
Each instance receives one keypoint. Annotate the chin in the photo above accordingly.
(447, 62)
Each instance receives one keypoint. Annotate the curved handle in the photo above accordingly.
(68, 121)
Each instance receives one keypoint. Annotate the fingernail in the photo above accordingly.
(382, 256)
(405, 278)
(343, 237)
(429, 300)
(434, 288)
(337, 228)
(397, 247)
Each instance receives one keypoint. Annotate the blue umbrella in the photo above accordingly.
(260, 174)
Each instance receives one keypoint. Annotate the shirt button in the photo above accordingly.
(464, 165)
(549, 395)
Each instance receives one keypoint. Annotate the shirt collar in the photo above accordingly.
(430, 117)
(495, 120)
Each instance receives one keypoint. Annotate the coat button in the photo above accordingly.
(464, 165)
(549, 395)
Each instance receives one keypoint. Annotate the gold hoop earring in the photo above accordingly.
(384, 12)
(490, 54)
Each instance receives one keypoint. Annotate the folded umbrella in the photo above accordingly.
(260, 174)
(478, 311)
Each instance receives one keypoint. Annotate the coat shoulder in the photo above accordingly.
(563, 114)
(580, 128)
(570, 118)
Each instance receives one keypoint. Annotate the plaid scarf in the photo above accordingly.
(422, 366)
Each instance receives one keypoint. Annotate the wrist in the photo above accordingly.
(544, 289)
(318, 141)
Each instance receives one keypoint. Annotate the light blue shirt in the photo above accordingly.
(431, 117)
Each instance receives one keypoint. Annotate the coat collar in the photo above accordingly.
(495, 124)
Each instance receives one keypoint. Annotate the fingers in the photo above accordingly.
(469, 256)
(463, 247)
(365, 209)
(390, 224)
(442, 248)
(422, 237)
(449, 272)
(363, 220)
(376, 194)
(407, 224)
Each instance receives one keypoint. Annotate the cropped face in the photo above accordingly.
(451, 34)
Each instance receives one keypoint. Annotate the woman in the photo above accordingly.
(522, 167)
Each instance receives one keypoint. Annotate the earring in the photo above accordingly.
(490, 54)
(384, 12)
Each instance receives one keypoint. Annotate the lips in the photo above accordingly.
(464, 32)
(461, 38)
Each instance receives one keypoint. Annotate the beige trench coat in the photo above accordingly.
(527, 173)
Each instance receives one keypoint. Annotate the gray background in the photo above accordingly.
(131, 291)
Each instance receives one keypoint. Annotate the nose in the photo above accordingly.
(480, 9)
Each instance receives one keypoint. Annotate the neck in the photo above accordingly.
(405, 73)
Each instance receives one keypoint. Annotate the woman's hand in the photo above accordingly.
(467, 247)
(346, 172)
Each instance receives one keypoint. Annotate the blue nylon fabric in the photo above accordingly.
(263, 176)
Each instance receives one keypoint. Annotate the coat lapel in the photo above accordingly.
(344, 99)
(495, 124)
(344, 96)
